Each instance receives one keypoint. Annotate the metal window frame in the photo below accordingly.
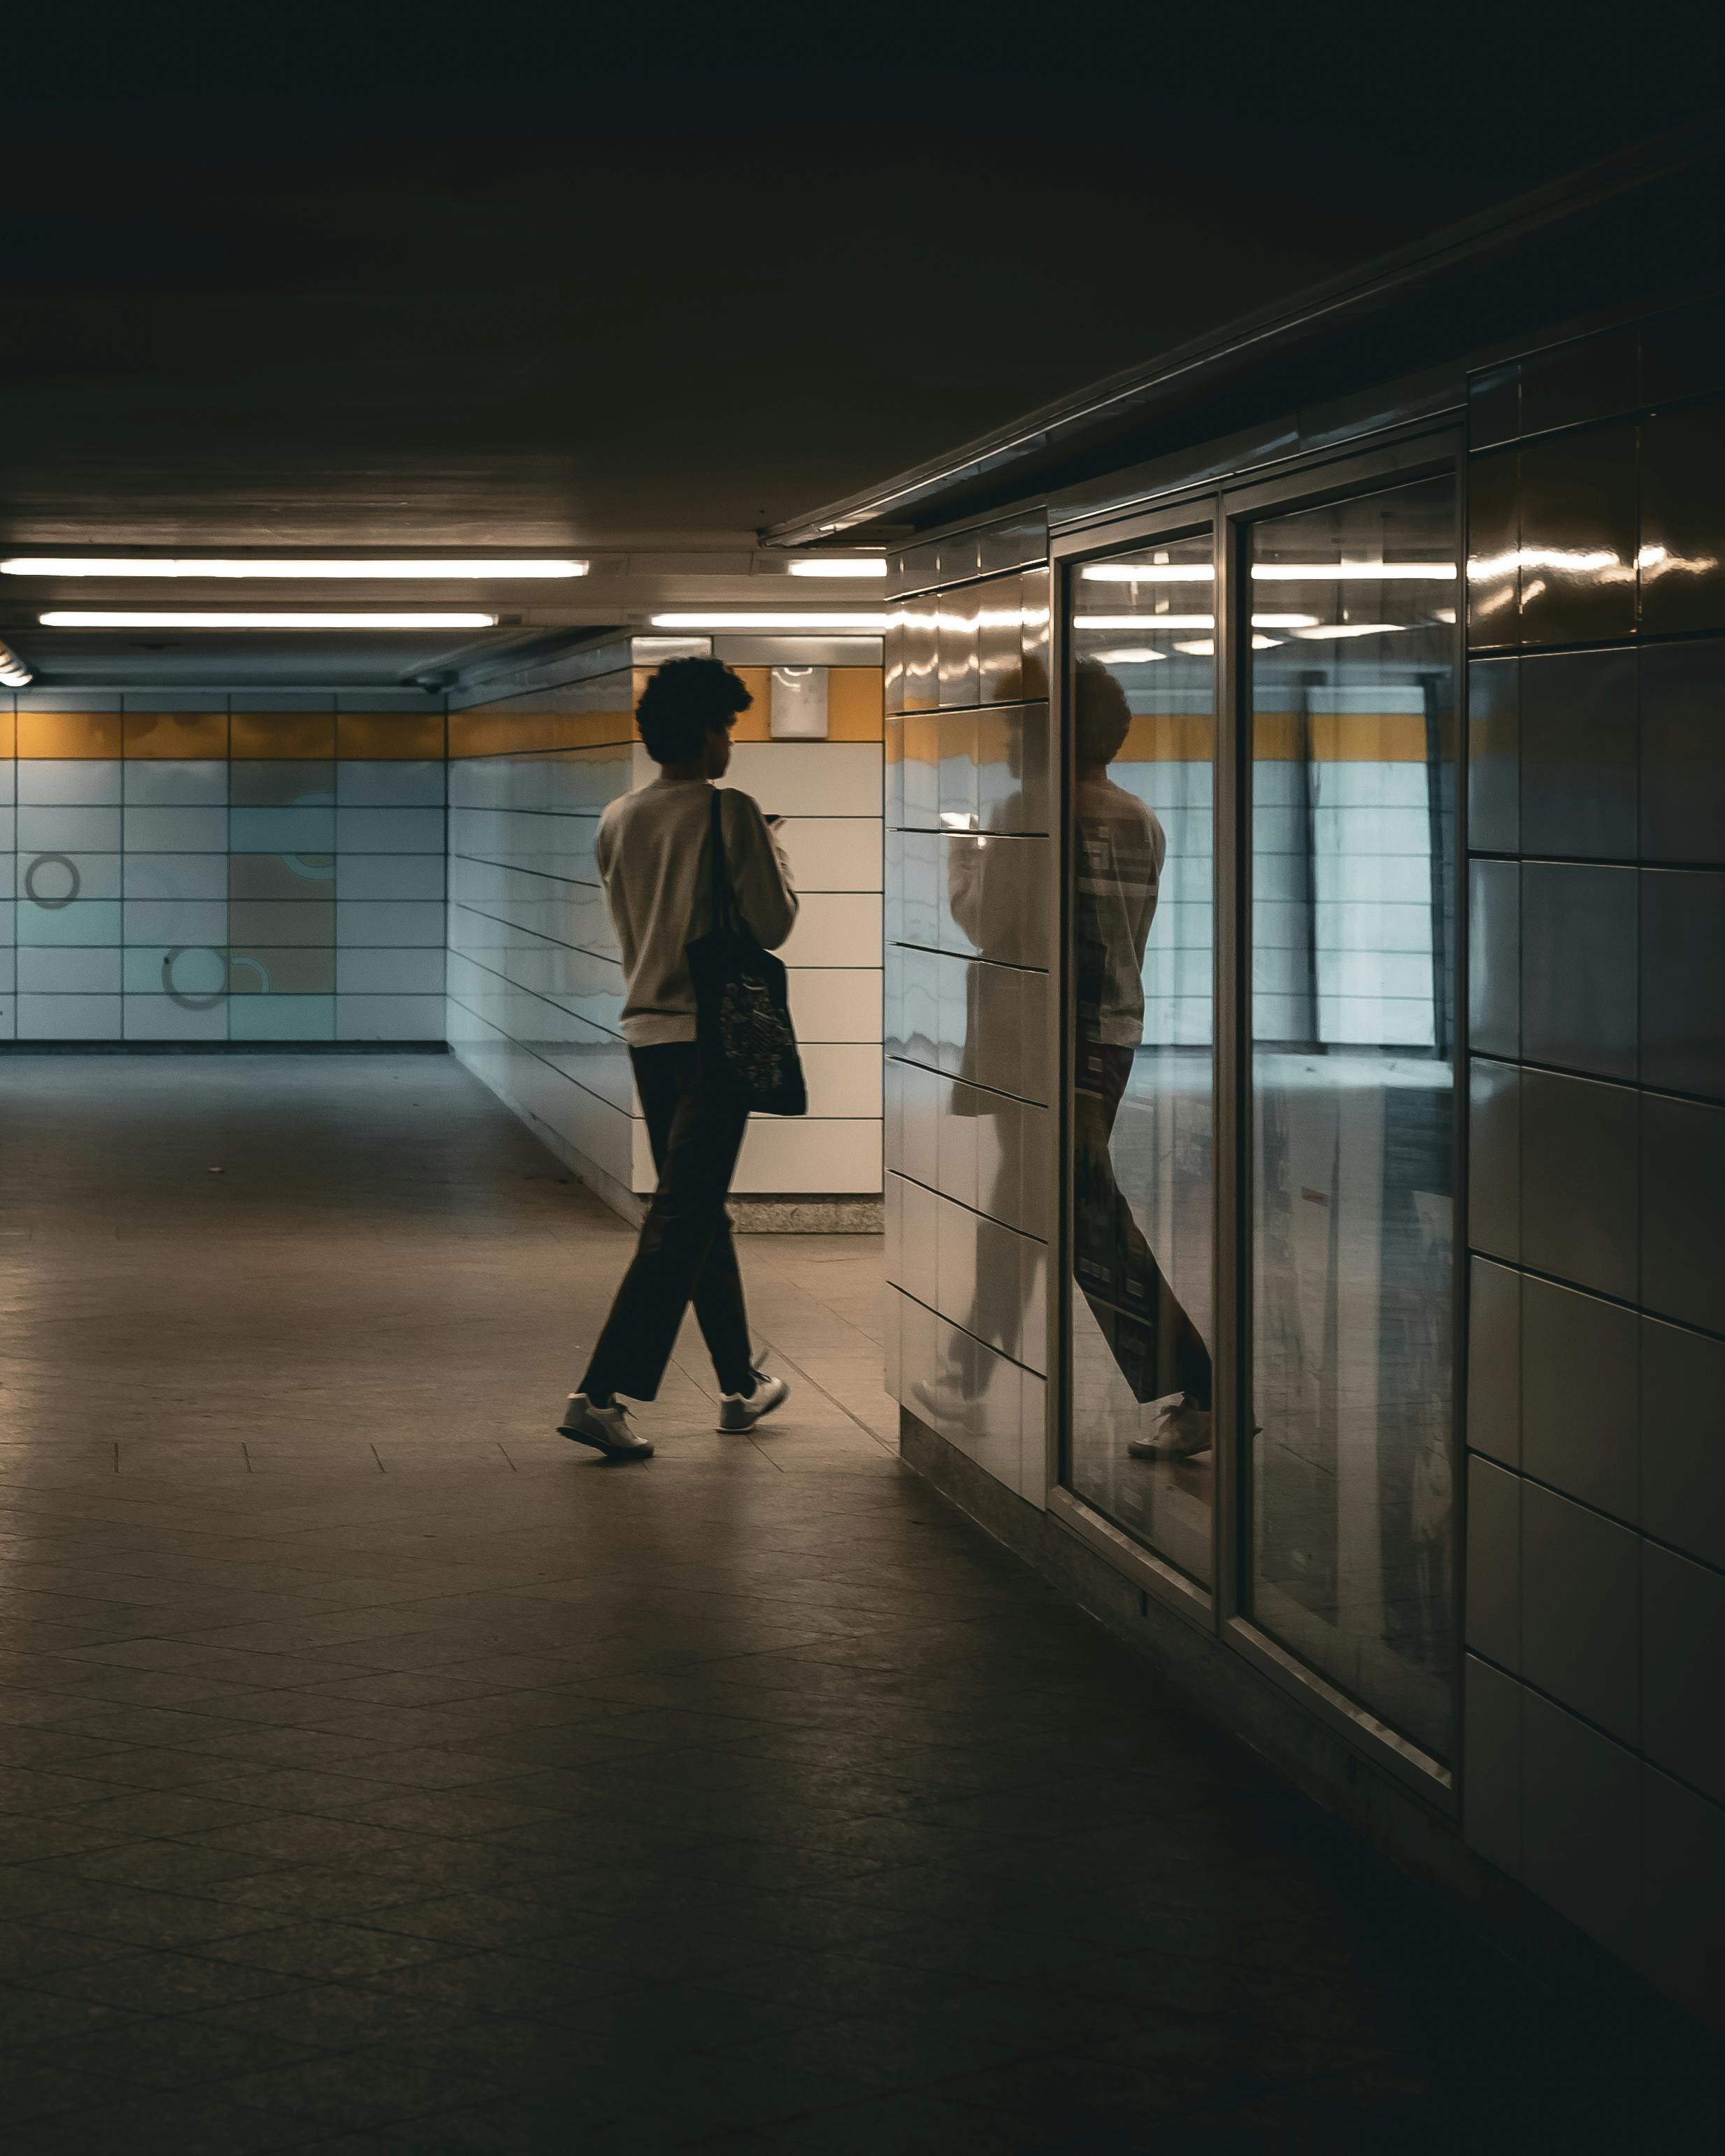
(1230, 512)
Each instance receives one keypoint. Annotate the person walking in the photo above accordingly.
(653, 860)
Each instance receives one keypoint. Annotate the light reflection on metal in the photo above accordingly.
(1286, 572)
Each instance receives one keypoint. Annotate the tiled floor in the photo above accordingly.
(381, 1774)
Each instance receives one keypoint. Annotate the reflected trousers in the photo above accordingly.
(684, 1253)
(1157, 1347)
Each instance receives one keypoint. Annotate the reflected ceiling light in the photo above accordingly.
(1266, 643)
(819, 565)
(1375, 572)
(1134, 654)
(860, 625)
(14, 672)
(1161, 621)
(424, 569)
(1202, 573)
(1143, 622)
(1203, 648)
(1148, 572)
(1330, 630)
(86, 618)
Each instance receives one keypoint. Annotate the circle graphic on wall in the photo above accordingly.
(44, 876)
(194, 976)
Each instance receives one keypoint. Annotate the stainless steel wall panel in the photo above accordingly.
(1000, 642)
(1682, 1163)
(1578, 756)
(921, 648)
(1495, 1158)
(1589, 378)
(956, 796)
(922, 772)
(1494, 1564)
(1493, 549)
(1580, 1610)
(1682, 754)
(893, 1210)
(1578, 1181)
(921, 1095)
(921, 566)
(1491, 1745)
(1494, 1362)
(1581, 1800)
(959, 1128)
(960, 555)
(959, 629)
(1577, 518)
(1683, 1669)
(1682, 555)
(1494, 965)
(1580, 1413)
(919, 1245)
(1034, 601)
(1012, 789)
(893, 746)
(1494, 758)
(922, 893)
(892, 661)
(1682, 1455)
(959, 1053)
(921, 973)
(1578, 968)
(1682, 976)
(1682, 1868)
(1007, 546)
(1494, 406)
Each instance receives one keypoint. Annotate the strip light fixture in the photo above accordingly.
(818, 565)
(93, 618)
(313, 569)
(858, 624)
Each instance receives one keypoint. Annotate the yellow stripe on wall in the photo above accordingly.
(299, 735)
(76, 736)
(191, 734)
(1333, 737)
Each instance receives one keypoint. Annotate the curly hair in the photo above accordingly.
(686, 699)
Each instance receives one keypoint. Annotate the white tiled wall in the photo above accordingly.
(154, 898)
(534, 983)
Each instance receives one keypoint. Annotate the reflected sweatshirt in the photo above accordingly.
(652, 852)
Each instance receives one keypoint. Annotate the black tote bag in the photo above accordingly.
(742, 1012)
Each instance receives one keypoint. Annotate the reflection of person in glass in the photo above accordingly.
(1120, 848)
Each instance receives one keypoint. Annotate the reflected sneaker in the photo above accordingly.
(1183, 1429)
(743, 1410)
(605, 1428)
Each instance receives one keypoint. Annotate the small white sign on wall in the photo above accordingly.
(798, 707)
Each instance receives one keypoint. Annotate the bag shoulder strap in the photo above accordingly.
(724, 900)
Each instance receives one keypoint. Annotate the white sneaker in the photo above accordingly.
(743, 1410)
(606, 1429)
(1184, 1431)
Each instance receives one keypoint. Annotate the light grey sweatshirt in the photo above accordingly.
(652, 856)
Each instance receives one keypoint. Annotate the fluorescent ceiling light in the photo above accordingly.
(816, 565)
(1161, 621)
(860, 625)
(1134, 654)
(84, 618)
(1203, 648)
(424, 570)
(1330, 630)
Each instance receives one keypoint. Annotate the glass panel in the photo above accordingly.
(1353, 1113)
(1141, 910)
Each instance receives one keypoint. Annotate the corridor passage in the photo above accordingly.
(380, 1772)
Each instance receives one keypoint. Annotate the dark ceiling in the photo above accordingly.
(538, 279)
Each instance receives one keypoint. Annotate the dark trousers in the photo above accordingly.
(1158, 1348)
(684, 1253)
